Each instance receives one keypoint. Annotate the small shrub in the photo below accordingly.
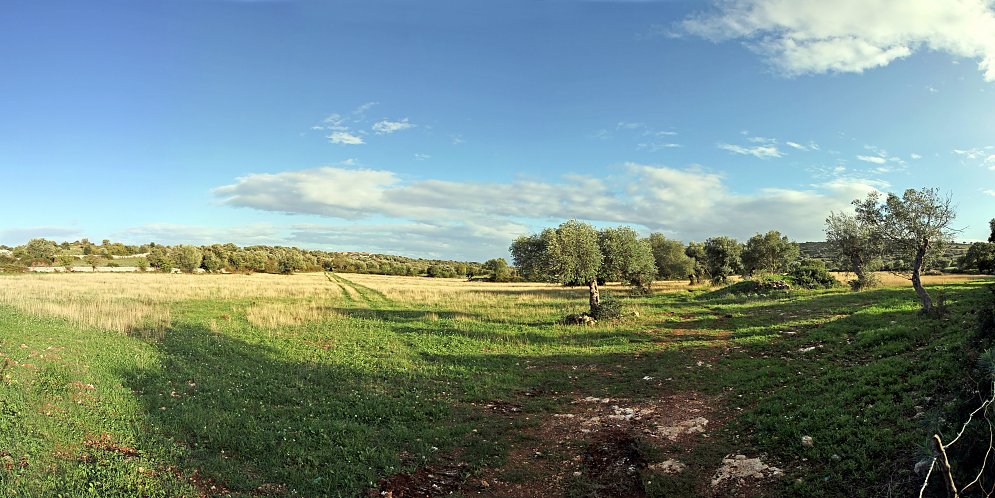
(609, 309)
(813, 277)
(933, 273)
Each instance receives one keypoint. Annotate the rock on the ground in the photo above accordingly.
(669, 466)
(693, 426)
(738, 468)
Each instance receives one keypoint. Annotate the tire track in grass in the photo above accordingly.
(347, 293)
(371, 297)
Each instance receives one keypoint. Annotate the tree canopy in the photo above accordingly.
(769, 253)
(672, 262)
(910, 226)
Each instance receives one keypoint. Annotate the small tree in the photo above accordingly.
(672, 263)
(159, 259)
(857, 246)
(769, 253)
(980, 256)
(499, 270)
(722, 257)
(530, 255)
(991, 225)
(910, 226)
(696, 251)
(186, 258)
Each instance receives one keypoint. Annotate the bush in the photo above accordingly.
(609, 309)
(813, 276)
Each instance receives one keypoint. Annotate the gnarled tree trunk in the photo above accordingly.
(595, 295)
(927, 303)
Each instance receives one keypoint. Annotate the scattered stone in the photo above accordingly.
(807, 441)
(579, 319)
(669, 467)
(693, 426)
(738, 467)
(806, 350)
(592, 399)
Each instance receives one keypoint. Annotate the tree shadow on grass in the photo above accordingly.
(248, 417)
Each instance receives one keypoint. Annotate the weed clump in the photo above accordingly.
(813, 276)
(609, 309)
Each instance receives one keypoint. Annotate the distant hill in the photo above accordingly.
(822, 251)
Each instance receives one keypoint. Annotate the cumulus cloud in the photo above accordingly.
(386, 126)
(346, 138)
(814, 36)
(758, 151)
(690, 203)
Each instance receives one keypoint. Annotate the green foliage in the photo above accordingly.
(186, 258)
(672, 262)
(764, 285)
(610, 308)
(626, 258)
(991, 224)
(980, 257)
(37, 250)
(696, 251)
(812, 274)
(531, 257)
(769, 253)
(723, 257)
(574, 254)
(159, 259)
(499, 270)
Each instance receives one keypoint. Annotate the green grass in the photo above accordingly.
(329, 408)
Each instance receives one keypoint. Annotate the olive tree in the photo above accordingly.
(672, 262)
(856, 245)
(769, 253)
(627, 259)
(574, 256)
(723, 257)
(186, 258)
(696, 251)
(910, 226)
(531, 257)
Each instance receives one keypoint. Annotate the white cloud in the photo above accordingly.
(816, 36)
(422, 157)
(345, 138)
(173, 233)
(691, 203)
(796, 145)
(759, 151)
(386, 126)
(986, 155)
(915, 157)
(873, 159)
(989, 192)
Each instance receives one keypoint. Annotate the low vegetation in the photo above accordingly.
(338, 384)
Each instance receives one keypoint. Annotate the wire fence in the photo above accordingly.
(941, 462)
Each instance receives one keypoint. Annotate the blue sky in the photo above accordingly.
(445, 129)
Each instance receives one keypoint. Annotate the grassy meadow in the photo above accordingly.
(347, 384)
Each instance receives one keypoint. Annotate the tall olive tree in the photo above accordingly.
(574, 256)
(769, 253)
(856, 245)
(696, 251)
(910, 226)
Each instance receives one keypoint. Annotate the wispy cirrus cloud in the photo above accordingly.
(345, 138)
(850, 36)
(386, 126)
(983, 156)
(758, 151)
